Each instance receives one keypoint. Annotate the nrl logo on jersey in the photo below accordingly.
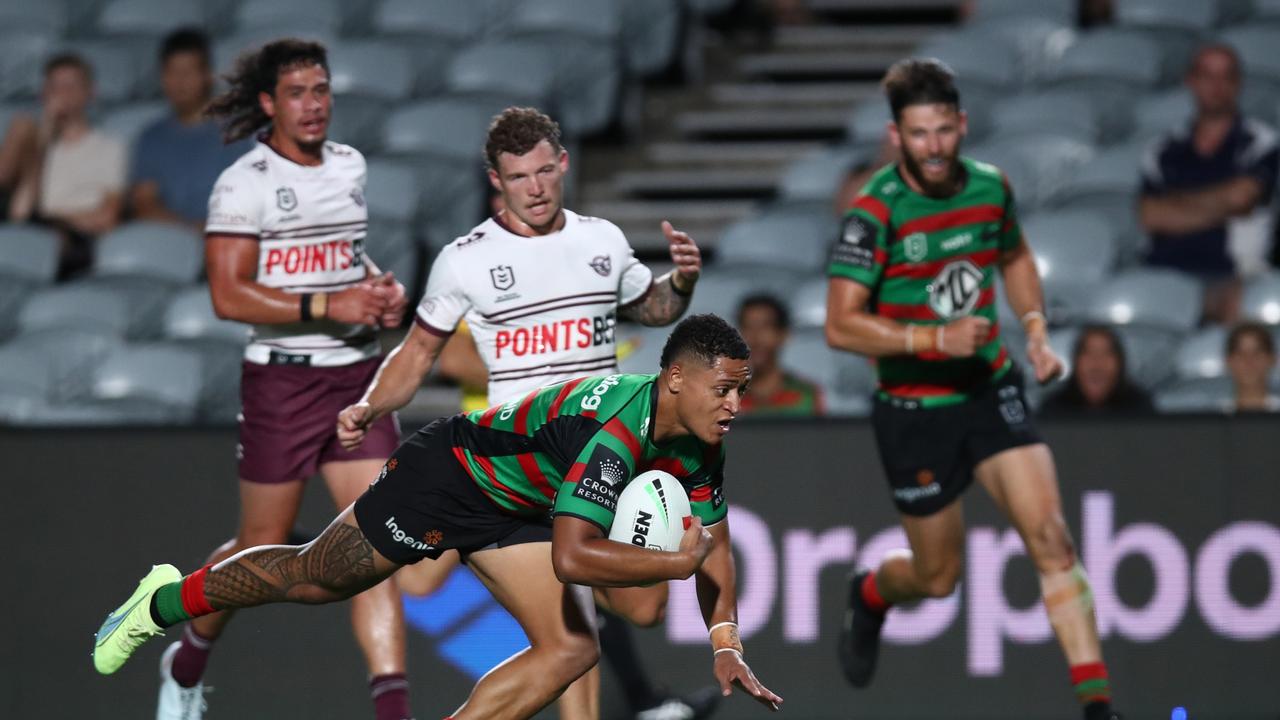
(602, 264)
(915, 246)
(286, 200)
(503, 277)
(954, 292)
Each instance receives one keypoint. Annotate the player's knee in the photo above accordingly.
(1050, 546)
(573, 656)
(942, 582)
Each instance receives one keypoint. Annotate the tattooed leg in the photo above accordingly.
(333, 567)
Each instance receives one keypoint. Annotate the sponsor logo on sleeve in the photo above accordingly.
(605, 472)
(857, 246)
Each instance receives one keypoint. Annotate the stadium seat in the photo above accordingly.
(517, 72)
(1075, 252)
(808, 304)
(357, 121)
(164, 251)
(1257, 48)
(795, 240)
(392, 190)
(722, 288)
(707, 8)
(1204, 395)
(25, 381)
(127, 122)
(392, 248)
(190, 316)
(1202, 354)
(1112, 172)
(459, 22)
(47, 17)
(22, 58)
(1161, 299)
(75, 306)
(1191, 16)
(1039, 41)
(992, 64)
(228, 48)
(450, 127)
(70, 353)
(867, 123)
(120, 71)
(1157, 113)
(371, 68)
(1064, 113)
(847, 380)
(148, 17)
(817, 175)
(595, 19)
(151, 373)
(324, 14)
(1036, 165)
(1261, 300)
(643, 347)
(1062, 11)
(1151, 352)
(1111, 63)
(652, 39)
(28, 252)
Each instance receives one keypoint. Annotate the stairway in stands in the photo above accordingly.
(713, 149)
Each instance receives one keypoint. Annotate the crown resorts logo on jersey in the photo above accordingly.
(954, 292)
(612, 472)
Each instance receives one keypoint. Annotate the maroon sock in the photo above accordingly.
(191, 658)
(390, 695)
(871, 595)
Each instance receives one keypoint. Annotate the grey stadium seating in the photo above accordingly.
(28, 260)
(127, 122)
(25, 383)
(22, 58)
(515, 72)
(151, 18)
(1076, 251)
(652, 39)
(326, 15)
(75, 307)
(150, 381)
(847, 380)
(70, 354)
(1206, 395)
(164, 251)
(1192, 16)
(47, 17)
(1062, 11)
(722, 287)
(818, 174)
(1202, 354)
(1162, 299)
(1039, 41)
(795, 240)
(1261, 299)
(808, 304)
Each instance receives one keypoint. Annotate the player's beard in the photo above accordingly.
(939, 189)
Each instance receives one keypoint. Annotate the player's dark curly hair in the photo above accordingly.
(516, 130)
(920, 81)
(705, 337)
(257, 72)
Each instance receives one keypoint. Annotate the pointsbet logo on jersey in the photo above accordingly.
(553, 337)
(317, 257)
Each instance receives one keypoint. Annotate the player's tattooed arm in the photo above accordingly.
(662, 305)
(335, 566)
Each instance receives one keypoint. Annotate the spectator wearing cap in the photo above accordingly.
(765, 323)
(1207, 186)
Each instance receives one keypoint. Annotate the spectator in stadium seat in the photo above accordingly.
(58, 169)
(764, 323)
(1251, 358)
(178, 157)
(1099, 383)
(1206, 187)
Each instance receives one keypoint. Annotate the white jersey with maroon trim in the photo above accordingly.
(310, 222)
(541, 309)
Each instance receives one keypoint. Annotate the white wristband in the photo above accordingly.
(1031, 315)
(713, 628)
(732, 650)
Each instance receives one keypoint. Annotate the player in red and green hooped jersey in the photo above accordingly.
(912, 284)
(526, 492)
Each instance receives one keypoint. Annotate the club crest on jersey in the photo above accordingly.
(503, 277)
(915, 246)
(286, 200)
(954, 292)
(602, 264)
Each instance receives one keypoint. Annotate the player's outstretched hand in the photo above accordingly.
(696, 543)
(684, 253)
(395, 297)
(963, 337)
(352, 422)
(1044, 360)
(732, 670)
(362, 304)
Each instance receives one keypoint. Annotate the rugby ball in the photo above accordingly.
(653, 512)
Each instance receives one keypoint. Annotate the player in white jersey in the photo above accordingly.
(540, 288)
(284, 248)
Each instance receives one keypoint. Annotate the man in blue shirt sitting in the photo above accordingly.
(178, 157)
(1207, 186)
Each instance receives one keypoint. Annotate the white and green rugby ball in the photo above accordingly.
(653, 512)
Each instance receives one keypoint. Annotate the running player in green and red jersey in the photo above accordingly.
(526, 491)
(912, 284)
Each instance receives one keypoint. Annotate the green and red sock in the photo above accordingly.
(1091, 683)
(180, 601)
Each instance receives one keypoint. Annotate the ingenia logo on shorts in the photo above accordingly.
(401, 536)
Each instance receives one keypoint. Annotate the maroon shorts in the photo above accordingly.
(289, 418)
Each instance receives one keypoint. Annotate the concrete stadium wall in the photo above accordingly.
(1178, 521)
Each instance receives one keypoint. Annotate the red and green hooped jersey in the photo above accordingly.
(929, 261)
(571, 447)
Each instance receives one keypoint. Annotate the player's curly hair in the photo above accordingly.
(516, 130)
(705, 337)
(257, 72)
(919, 81)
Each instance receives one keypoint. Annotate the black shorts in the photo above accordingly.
(424, 503)
(929, 453)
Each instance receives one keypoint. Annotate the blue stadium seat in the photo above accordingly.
(150, 382)
(722, 288)
(47, 17)
(325, 15)
(1111, 173)
(1036, 165)
(595, 19)
(190, 316)
(1122, 62)
(128, 121)
(1062, 11)
(808, 304)
(1191, 16)
(1200, 395)
(148, 17)
(517, 72)
(1202, 354)
(392, 190)
(795, 240)
(120, 71)
(163, 251)
(357, 121)
(1065, 113)
(1039, 41)
(371, 68)
(1161, 299)
(75, 306)
(25, 383)
(992, 64)
(1256, 46)
(392, 248)
(652, 39)
(847, 380)
(459, 22)
(1012, 161)
(1261, 300)
(1157, 113)
(1075, 253)
(22, 58)
(644, 347)
(817, 175)
(228, 48)
(28, 252)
